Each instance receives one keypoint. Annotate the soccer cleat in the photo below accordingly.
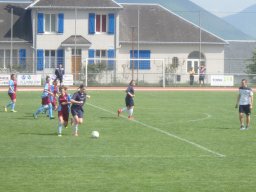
(119, 111)
(130, 117)
(35, 116)
(75, 134)
(66, 127)
(52, 117)
(59, 135)
(14, 111)
(5, 108)
(242, 128)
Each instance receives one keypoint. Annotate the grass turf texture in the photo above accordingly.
(139, 155)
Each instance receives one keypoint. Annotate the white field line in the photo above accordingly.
(165, 132)
(105, 156)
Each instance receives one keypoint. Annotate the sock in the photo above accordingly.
(60, 128)
(12, 106)
(9, 104)
(50, 110)
(130, 112)
(75, 128)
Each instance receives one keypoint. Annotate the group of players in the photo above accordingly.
(56, 97)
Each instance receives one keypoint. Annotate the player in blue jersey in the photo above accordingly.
(64, 101)
(78, 100)
(46, 101)
(129, 101)
(245, 103)
(12, 94)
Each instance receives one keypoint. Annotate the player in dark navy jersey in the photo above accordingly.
(12, 94)
(78, 100)
(64, 101)
(245, 103)
(129, 101)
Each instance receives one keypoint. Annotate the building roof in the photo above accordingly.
(159, 25)
(22, 27)
(88, 4)
(77, 40)
(199, 16)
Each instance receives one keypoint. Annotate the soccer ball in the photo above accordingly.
(95, 134)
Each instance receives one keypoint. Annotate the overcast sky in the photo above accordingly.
(224, 7)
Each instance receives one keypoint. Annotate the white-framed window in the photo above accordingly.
(50, 23)
(50, 59)
(195, 60)
(5, 58)
(101, 23)
(76, 52)
(101, 54)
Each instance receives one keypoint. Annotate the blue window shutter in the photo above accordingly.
(91, 23)
(144, 54)
(22, 57)
(60, 57)
(111, 23)
(111, 54)
(40, 23)
(40, 60)
(91, 55)
(60, 23)
(135, 57)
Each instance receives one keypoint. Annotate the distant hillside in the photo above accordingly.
(244, 20)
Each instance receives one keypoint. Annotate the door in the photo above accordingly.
(76, 63)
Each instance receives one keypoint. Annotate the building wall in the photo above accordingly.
(214, 55)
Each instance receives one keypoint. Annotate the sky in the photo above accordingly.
(223, 8)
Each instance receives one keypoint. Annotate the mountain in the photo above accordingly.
(200, 17)
(244, 20)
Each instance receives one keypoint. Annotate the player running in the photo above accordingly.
(129, 101)
(12, 94)
(63, 109)
(78, 100)
(46, 102)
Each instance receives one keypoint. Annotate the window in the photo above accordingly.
(141, 54)
(101, 54)
(50, 58)
(76, 52)
(5, 58)
(50, 23)
(195, 59)
(101, 23)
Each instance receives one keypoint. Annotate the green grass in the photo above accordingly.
(175, 143)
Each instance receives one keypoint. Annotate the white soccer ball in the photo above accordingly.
(95, 134)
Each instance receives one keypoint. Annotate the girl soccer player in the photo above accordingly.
(12, 94)
(129, 100)
(46, 102)
(63, 109)
(78, 100)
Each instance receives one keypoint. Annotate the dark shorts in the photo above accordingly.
(64, 115)
(46, 101)
(129, 102)
(12, 96)
(77, 112)
(201, 78)
(245, 109)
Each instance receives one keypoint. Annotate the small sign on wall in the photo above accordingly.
(222, 80)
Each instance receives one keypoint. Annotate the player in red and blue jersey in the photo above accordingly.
(78, 100)
(129, 101)
(64, 101)
(55, 91)
(46, 101)
(12, 94)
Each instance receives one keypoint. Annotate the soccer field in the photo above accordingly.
(178, 141)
